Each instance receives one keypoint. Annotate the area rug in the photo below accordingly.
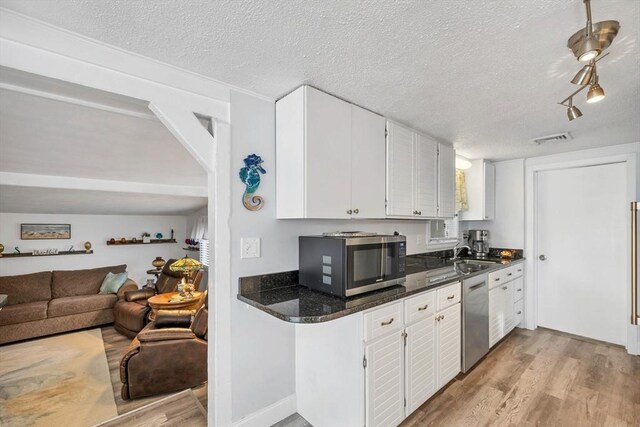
(56, 381)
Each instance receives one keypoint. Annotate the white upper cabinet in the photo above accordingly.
(367, 163)
(328, 155)
(446, 182)
(400, 170)
(481, 191)
(426, 177)
(420, 175)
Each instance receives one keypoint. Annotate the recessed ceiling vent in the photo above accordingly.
(557, 137)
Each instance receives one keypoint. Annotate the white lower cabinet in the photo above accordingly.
(384, 380)
(429, 356)
(505, 302)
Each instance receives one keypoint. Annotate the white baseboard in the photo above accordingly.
(270, 415)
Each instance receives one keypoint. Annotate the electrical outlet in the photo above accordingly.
(250, 247)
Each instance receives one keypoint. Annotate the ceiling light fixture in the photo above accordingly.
(584, 75)
(587, 45)
(573, 112)
(589, 42)
(463, 163)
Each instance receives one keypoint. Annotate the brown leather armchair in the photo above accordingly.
(131, 313)
(168, 355)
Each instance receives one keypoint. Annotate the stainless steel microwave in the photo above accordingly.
(347, 264)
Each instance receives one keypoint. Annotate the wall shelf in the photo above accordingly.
(191, 249)
(27, 254)
(139, 242)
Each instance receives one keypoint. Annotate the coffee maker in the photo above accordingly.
(479, 243)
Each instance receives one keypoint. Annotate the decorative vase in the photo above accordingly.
(146, 239)
(123, 240)
(158, 263)
(112, 241)
(87, 246)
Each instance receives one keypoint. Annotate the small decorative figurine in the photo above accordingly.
(134, 240)
(87, 247)
(146, 237)
(250, 176)
(17, 251)
(112, 241)
(123, 240)
(159, 236)
(70, 248)
(172, 234)
(1, 249)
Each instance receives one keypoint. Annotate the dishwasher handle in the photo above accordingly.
(478, 286)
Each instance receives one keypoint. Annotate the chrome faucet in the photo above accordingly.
(457, 249)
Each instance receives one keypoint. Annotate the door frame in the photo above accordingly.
(592, 158)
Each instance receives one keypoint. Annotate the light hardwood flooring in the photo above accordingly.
(541, 378)
(116, 345)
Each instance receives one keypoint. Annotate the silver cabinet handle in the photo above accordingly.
(356, 211)
(519, 270)
(518, 290)
(423, 308)
(542, 258)
(509, 274)
(349, 212)
(388, 322)
(520, 312)
(496, 280)
(504, 288)
(450, 297)
(419, 212)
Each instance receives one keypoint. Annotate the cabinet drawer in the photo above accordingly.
(448, 296)
(383, 321)
(495, 278)
(508, 273)
(518, 288)
(419, 307)
(518, 270)
(518, 312)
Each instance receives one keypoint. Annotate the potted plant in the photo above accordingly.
(146, 237)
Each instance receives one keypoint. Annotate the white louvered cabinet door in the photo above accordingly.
(426, 177)
(496, 314)
(385, 381)
(400, 170)
(420, 366)
(448, 343)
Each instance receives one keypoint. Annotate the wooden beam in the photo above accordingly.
(76, 183)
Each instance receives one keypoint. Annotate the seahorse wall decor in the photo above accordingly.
(250, 175)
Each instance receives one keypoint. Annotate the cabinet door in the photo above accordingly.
(400, 170)
(509, 309)
(328, 156)
(367, 164)
(426, 198)
(384, 399)
(448, 344)
(489, 190)
(420, 367)
(447, 182)
(496, 312)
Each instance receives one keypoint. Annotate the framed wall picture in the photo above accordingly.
(45, 231)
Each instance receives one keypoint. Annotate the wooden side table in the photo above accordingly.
(161, 302)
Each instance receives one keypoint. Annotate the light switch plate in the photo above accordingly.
(250, 247)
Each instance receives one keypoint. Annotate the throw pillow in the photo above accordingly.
(113, 282)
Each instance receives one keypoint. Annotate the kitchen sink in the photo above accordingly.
(473, 262)
(468, 266)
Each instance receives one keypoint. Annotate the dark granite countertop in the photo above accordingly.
(281, 296)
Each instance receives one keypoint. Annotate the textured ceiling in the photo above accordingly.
(485, 75)
(64, 201)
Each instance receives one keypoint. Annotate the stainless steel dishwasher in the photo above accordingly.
(475, 320)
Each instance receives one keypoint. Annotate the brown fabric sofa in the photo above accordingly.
(168, 355)
(130, 313)
(50, 302)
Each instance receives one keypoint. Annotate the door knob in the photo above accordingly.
(349, 212)
(356, 211)
(542, 258)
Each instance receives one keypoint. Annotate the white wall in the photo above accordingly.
(263, 360)
(506, 230)
(97, 229)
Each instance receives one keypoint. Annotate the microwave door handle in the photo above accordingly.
(383, 250)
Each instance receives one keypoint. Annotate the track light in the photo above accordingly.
(595, 94)
(573, 112)
(584, 75)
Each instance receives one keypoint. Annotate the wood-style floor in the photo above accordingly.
(116, 345)
(541, 378)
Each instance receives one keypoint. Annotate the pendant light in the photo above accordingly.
(573, 112)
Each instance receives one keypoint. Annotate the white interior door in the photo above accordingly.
(581, 244)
